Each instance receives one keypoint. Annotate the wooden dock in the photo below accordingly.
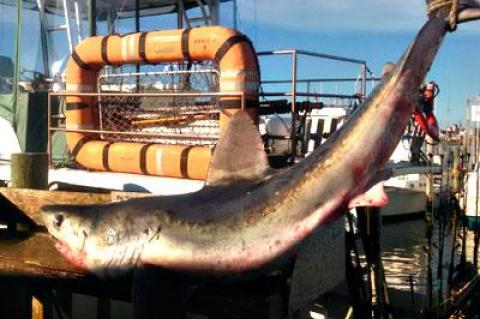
(36, 281)
(31, 267)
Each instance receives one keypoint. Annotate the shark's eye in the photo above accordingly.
(58, 220)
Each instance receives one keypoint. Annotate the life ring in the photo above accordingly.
(239, 72)
(428, 123)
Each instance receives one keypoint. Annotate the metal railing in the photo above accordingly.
(57, 128)
(295, 53)
(294, 94)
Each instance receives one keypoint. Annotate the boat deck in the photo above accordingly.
(116, 181)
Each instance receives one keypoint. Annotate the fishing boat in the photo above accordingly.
(142, 111)
(471, 200)
(316, 115)
(168, 81)
(162, 102)
(407, 192)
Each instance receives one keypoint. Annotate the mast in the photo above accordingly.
(92, 18)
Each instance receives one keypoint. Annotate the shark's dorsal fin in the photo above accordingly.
(239, 155)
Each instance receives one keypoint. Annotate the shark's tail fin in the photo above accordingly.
(454, 12)
(437, 5)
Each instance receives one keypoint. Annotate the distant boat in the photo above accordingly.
(406, 193)
(472, 203)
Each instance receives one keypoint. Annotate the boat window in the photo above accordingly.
(58, 43)
(31, 71)
(7, 36)
(31, 65)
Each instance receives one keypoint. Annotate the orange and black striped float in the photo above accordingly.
(239, 72)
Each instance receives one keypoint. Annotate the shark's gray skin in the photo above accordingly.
(244, 219)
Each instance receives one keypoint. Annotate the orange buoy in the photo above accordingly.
(423, 113)
(428, 123)
(239, 72)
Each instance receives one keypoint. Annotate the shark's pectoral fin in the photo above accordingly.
(239, 155)
(375, 197)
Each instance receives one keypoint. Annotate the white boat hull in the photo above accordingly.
(403, 202)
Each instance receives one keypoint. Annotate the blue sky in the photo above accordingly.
(374, 30)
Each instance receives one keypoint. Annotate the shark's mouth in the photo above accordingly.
(75, 256)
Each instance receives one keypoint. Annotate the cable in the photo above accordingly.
(435, 142)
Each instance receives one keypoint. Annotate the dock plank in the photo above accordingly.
(35, 255)
(31, 260)
(29, 201)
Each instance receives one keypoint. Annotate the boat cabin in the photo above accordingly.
(162, 117)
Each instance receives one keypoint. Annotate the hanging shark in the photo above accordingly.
(245, 218)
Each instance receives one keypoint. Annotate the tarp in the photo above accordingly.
(7, 107)
(29, 119)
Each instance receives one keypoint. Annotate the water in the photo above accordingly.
(404, 254)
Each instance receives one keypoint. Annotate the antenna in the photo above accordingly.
(255, 13)
(235, 14)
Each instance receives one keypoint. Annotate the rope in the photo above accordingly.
(435, 5)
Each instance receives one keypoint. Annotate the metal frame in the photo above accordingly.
(137, 74)
(52, 129)
(293, 94)
(294, 53)
(44, 38)
(154, 73)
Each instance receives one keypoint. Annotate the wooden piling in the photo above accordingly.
(65, 301)
(29, 170)
(103, 308)
(42, 307)
(370, 224)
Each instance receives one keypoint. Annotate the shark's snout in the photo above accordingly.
(64, 223)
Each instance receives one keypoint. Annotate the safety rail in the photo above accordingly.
(293, 94)
(295, 53)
